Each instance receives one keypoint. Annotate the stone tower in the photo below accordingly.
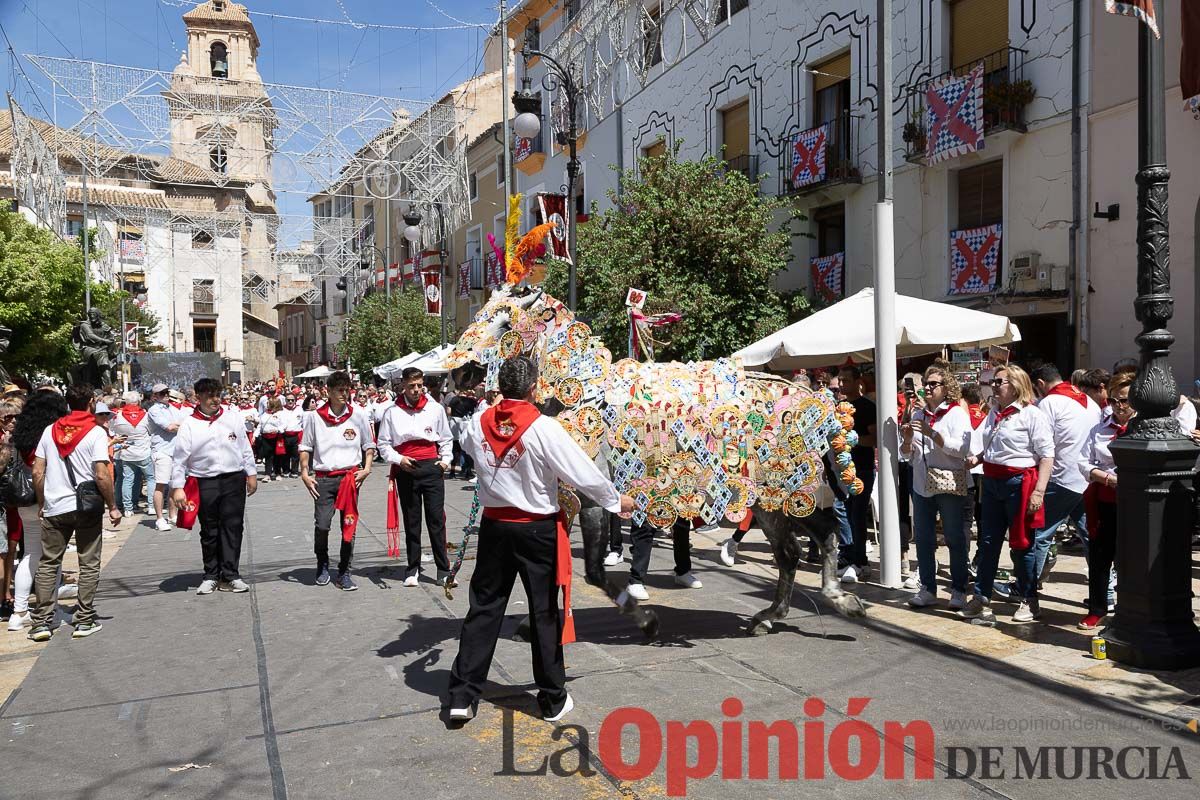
(221, 118)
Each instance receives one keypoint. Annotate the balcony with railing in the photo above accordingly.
(745, 164)
(821, 157)
(1006, 94)
(204, 300)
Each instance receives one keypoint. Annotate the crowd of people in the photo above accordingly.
(1016, 459)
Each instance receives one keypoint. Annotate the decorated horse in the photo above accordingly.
(702, 440)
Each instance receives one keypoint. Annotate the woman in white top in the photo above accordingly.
(937, 442)
(1100, 498)
(1018, 454)
(271, 427)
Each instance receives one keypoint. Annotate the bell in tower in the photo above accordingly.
(219, 61)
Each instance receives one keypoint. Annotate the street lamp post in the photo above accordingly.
(1153, 627)
(528, 123)
(412, 234)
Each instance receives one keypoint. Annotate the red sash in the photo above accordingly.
(279, 441)
(346, 500)
(418, 449)
(1020, 532)
(1069, 390)
(133, 414)
(191, 507)
(67, 432)
(562, 560)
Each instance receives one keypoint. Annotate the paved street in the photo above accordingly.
(297, 691)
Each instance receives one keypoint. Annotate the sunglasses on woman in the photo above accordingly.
(1000, 382)
(934, 384)
(1117, 401)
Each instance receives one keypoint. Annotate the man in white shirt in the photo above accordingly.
(133, 459)
(293, 424)
(164, 424)
(1072, 415)
(72, 452)
(414, 437)
(520, 457)
(213, 474)
(336, 438)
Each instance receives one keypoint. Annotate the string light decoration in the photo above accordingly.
(38, 182)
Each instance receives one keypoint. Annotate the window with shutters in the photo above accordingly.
(831, 105)
(831, 229)
(981, 195)
(978, 29)
(735, 136)
(655, 150)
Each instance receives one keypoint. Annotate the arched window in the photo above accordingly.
(219, 61)
(218, 161)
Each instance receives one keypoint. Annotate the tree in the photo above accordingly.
(699, 240)
(373, 339)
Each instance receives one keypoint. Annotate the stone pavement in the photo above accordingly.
(297, 691)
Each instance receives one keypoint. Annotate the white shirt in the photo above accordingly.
(161, 416)
(136, 447)
(377, 410)
(272, 423)
(292, 419)
(206, 449)
(402, 424)
(58, 495)
(1096, 453)
(1185, 415)
(956, 433)
(1070, 424)
(1020, 441)
(249, 418)
(262, 404)
(336, 447)
(528, 478)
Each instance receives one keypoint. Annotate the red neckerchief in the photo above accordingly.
(505, 423)
(420, 403)
(324, 413)
(173, 404)
(940, 412)
(200, 415)
(69, 431)
(133, 414)
(978, 415)
(1068, 390)
(1012, 410)
(1118, 430)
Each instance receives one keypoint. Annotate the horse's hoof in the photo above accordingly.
(850, 605)
(647, 621)
(760, 628)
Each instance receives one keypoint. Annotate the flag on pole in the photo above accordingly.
(1189, 62)
(1139, 9)
(954, 115)
(464, 279)
(809, 156)
(975, 259)
(431, 282)
(828, 276)
(553, 208)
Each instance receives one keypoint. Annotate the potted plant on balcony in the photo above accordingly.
(914, 135)
(1004, 102)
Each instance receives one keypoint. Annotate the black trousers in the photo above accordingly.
(222, 509)
(1102, 550)
(614, 531)
(291, 446)
(327, 489)
(423, 487)
(506, 550)
(642, 538)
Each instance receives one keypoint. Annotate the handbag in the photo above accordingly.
(946, 481)
(88, 500)
(16, 483)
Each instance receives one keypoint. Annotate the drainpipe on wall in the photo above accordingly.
(1076, 309)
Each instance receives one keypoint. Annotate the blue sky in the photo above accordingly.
(416, 65)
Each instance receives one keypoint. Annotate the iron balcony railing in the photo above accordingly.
(800, 166)
(745, 164)
(1006, 94)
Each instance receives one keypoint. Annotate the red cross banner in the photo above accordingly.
(975, 259)
(553, 208)
(828, 276)
(431, 286)
(522, 149)
(464, 279)
(954, 115)
(491, 271)
(808, 156)
(1139, 9)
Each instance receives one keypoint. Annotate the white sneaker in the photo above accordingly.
(613, 558)
(870, 547)
(163, 525)
(848, 575)
(1028, 611)
(912, 582)
(207, 586)
(464, 714)
(412, 580)
(957, 600)
(709, 528)
(20, 621)
(68, 590)
(566, 709)
(237, 586)
(688, 581)
(637, 591)
(426, 558)
(728, 552)
(923, 599)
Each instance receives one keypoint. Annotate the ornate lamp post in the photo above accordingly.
(528, 124)
(1153, 627)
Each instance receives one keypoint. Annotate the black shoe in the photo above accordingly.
(344, 583)
(322, 575)
(6, 610)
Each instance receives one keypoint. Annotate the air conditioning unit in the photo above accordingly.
(1025, 272)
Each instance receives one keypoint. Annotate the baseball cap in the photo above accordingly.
(159, 387)
(176, 395)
